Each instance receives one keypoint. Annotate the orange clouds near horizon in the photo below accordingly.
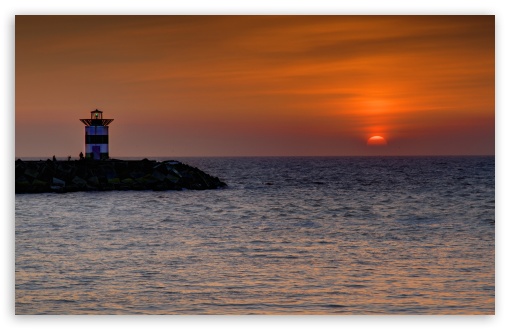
(257, 85)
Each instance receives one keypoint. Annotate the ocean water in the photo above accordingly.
(311, 235)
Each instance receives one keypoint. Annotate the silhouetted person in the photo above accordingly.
(54, 158)
(81, 155)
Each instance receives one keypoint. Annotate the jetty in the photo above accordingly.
(111, 174)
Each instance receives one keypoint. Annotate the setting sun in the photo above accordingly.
(376, 141)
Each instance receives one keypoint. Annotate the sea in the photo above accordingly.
(289, 235)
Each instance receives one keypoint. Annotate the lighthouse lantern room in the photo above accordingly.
(96, 135)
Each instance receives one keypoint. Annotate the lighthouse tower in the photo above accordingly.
(96, 135)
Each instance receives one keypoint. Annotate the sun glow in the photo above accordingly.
(376, 140)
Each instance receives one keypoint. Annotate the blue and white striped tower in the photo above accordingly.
(96, 135)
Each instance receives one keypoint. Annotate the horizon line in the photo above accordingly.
(270, 156)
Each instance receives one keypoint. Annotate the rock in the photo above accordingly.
(114, 181)
(136, 174)
(108, 171)
(172, 178)
(177, 173)
(85, 175)
(158, 175)
(93, 180)
(58, 182)
(161, 168)
(32, 172)
(79, 182)
(22, 184)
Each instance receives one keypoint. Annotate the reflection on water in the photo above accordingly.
(289, 236)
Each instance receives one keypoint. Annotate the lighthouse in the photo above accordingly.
(96, 135)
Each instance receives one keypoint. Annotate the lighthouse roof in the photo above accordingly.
(96, 119)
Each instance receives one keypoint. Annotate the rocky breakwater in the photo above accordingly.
(94, 175)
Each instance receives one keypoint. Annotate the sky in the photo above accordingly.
(256, 85)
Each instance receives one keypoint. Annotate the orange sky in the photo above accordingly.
(256, 85)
